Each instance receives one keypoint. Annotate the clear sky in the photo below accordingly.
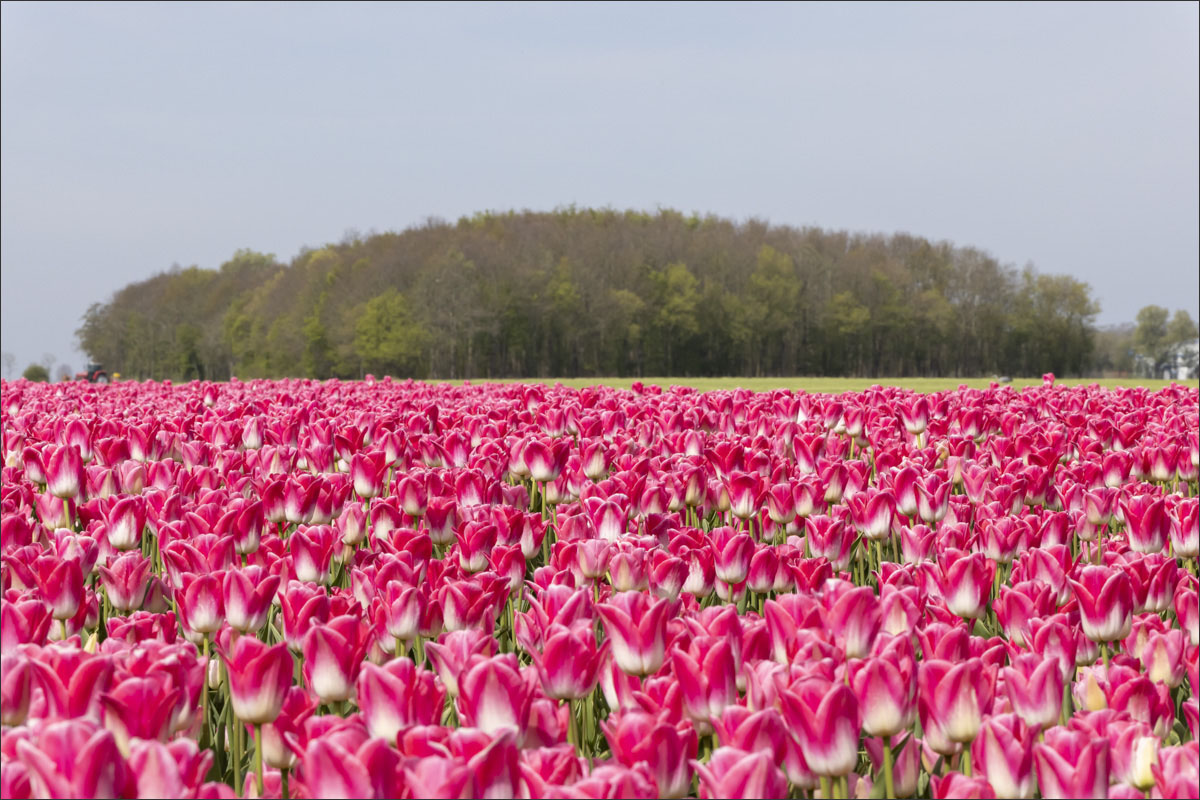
(138, 136)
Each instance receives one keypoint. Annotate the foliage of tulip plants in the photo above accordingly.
(386, 589)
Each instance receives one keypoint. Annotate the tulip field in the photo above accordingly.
(388, 589)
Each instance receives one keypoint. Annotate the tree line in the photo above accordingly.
(600, 292)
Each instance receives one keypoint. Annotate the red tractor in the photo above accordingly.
(95, 374)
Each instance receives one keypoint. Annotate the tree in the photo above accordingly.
(10, 363)
(36, 372)
(1182, 332)
(1150, 338)
(387, 338)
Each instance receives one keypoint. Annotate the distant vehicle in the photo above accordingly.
(95, 374)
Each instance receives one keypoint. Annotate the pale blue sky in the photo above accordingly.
(138, 136)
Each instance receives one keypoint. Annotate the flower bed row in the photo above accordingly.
(387, 589)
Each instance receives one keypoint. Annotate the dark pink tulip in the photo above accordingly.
(177, 769)
(367, 471)
(1003, 754)
(569, 661)
(824, 718)
(399, 608)
(259, 679)
(1178, 772)
(1105, 597)
(732, 552)
(301, 606)
(16, 686)
(957, 785)
(201, 603)
(65, 477)
(439, 777)
(731, 772)
(455, 652)
(1185, 529)
(1034, 686)
(953, 700)
(762, 730)
(329, 770)
(886, 688)
(854, 620)
(125, 581)
(125, 522)
(333, 654)
(873, 512)
(247, 594)
(1148, 523)
(636, 624)
(933, 499)
(494, 696)
(706, 672)
(140, 708)
(1187, 609)
(74, 758)
(60, 584)
(832, 539)
(636, 737)
(1071, 764)
(965, 581)
(545, 460)
(398, 695)
(313, 549)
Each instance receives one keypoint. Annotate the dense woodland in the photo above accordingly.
(580, 292)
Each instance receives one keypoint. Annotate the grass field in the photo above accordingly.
(839, 385)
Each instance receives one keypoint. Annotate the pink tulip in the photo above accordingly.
(74, 758)
(636, 624)
(737, 773)
(247, 594)
(966, 582)
(125, 581)
(953, 701)
(1003, 754)
(636, 737)
(1071, 764)
(886, 688)
(455, 652)
(312, 553)
(957, 785)
(65, 477)
(732, 552)
(1148, 524)
(494, 696)
(1035, 688)
(854, 620)
(569, 662)
(329, 770)
(259, 679)
(824, 718)
(397, 695)
(333, 654)
(125, 522)
(201, 603)
(706, 671)
(60, 584)
(1105, 600)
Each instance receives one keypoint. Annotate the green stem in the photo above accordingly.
(889, 780)
(966, 760)
(258, 768)
(283, 783)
